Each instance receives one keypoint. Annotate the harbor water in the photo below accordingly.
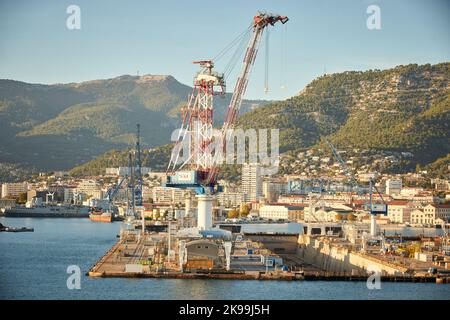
(33, 265)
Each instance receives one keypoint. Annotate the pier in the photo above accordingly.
(144, 257)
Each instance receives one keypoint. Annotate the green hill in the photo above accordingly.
(404, 109)
(53, 127)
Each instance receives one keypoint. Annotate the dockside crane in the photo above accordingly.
(375, 208)
(199, 170)
(112, 193)
(138, 168)
(134, 177)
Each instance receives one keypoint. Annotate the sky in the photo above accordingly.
(164, 37)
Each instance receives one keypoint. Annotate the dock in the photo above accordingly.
(130, 259)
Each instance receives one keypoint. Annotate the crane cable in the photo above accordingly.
(232, 44)
(236, 55)
(266, 70)
(283, 57)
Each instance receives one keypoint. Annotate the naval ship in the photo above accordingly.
(48, 211)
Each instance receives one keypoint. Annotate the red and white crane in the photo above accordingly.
(199, 168)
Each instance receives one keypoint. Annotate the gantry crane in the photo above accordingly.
(199, 169)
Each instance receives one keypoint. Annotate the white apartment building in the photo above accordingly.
(251, 182)
(393, 186)
(422, 217)
(281, 212)
(168, 195)
(90, 188)
(13, 189)
(230, 199)
(122, 171)
(399, 211)
(439, 211)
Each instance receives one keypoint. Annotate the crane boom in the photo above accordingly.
(260, 22)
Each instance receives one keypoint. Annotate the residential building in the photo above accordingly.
(441, 184)
(230, 199)
(284, 212)
(90, 188)
(399, 211)
(393, 186)
(422, 217)
(168, 195)
(251, 182)
(295, 199)
(439, 211)
(13, 189)
(122, 171)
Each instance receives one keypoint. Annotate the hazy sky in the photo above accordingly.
(163, 37)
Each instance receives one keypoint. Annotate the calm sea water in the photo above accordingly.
(33, 266)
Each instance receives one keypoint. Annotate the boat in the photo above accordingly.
(11, 229)
(97, 214)
(48, 211)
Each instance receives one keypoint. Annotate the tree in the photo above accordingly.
(232, 214)
(244, 211)
(351, 217)
(338, 216)
(22, 198)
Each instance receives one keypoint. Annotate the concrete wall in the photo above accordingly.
(333, 258)
(277, 243)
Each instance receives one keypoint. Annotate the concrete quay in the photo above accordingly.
(311, 259)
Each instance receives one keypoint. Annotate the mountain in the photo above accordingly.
(405, 109)
(51, 127)
(439, 168)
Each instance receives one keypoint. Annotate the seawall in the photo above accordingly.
(333, 257)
